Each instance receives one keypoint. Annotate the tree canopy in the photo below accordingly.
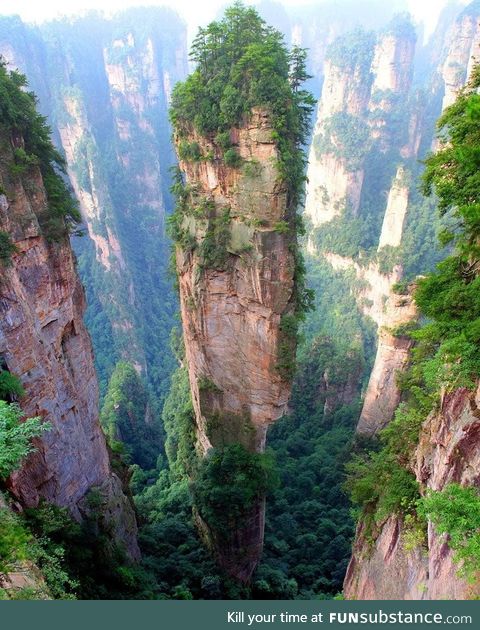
(242, 63)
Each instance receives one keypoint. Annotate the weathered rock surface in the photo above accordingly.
(393, 352)
(231, 313)
(388, 567)
(332, 184)
(44, 342)
(365, 95)
(231, 317)
(388, 310)
(394, 217)
(463, 51)
(105, 85)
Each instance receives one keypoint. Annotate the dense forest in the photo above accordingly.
(320, 478)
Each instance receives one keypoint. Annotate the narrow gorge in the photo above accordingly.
(239, 332)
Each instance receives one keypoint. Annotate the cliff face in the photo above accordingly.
(391, 567)
(363, 81)
(395, 212)
(332, 183)
(232, 311)
(383, 394)
(105, 86)
(395, 561)
(44, 342)
(463, 50)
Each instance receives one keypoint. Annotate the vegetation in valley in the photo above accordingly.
(127, 417)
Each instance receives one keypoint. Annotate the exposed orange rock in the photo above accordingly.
(388, 567)
(44, 342)
(231, 314)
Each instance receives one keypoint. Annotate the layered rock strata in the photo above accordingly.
(390, 566)
(44, 342)
(232, 309)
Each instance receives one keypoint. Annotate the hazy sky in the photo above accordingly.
(194, 11)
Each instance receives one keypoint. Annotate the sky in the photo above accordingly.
(195, 12)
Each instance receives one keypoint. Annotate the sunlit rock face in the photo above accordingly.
(391, 567)
(44, 342)
(463, 51)
(361, 90)
(232, 312)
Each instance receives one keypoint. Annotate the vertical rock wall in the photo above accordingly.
(44, 342)
(232, 311)
(387, 563)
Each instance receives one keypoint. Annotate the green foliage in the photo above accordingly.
(286, 364)
(18, 115)
(252, 168)
(10, 386)
(79, 559)
(242, 63)
(232, 158)
(223, 140)
(127, 416)
(14, 540)
(7, 248)
(353, 50)
(455, 511)
(446, 352)
(401, 26)
(308, 523)
(345, 136)
(449, 297)
(282, 227)
(15, 436)
(380, 485)
(228, 484)
(179, 422)
(189, 151)
(400, 288)
(213, 249)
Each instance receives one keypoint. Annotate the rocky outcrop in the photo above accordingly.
(332, 183)
(394, 217)
(390, 566)
(392, 63)
(393, 352)
(231, 316)
(44, 342)
(232, 307)
(399, 559)
(363, 81)
(463, 51)
(376, 299)
(374, 287)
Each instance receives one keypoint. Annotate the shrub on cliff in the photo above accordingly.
(456, 511)
(446, 355)
(15, 437)
(20, 119)
(242, 63)
(228, 483)
(7, 248)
